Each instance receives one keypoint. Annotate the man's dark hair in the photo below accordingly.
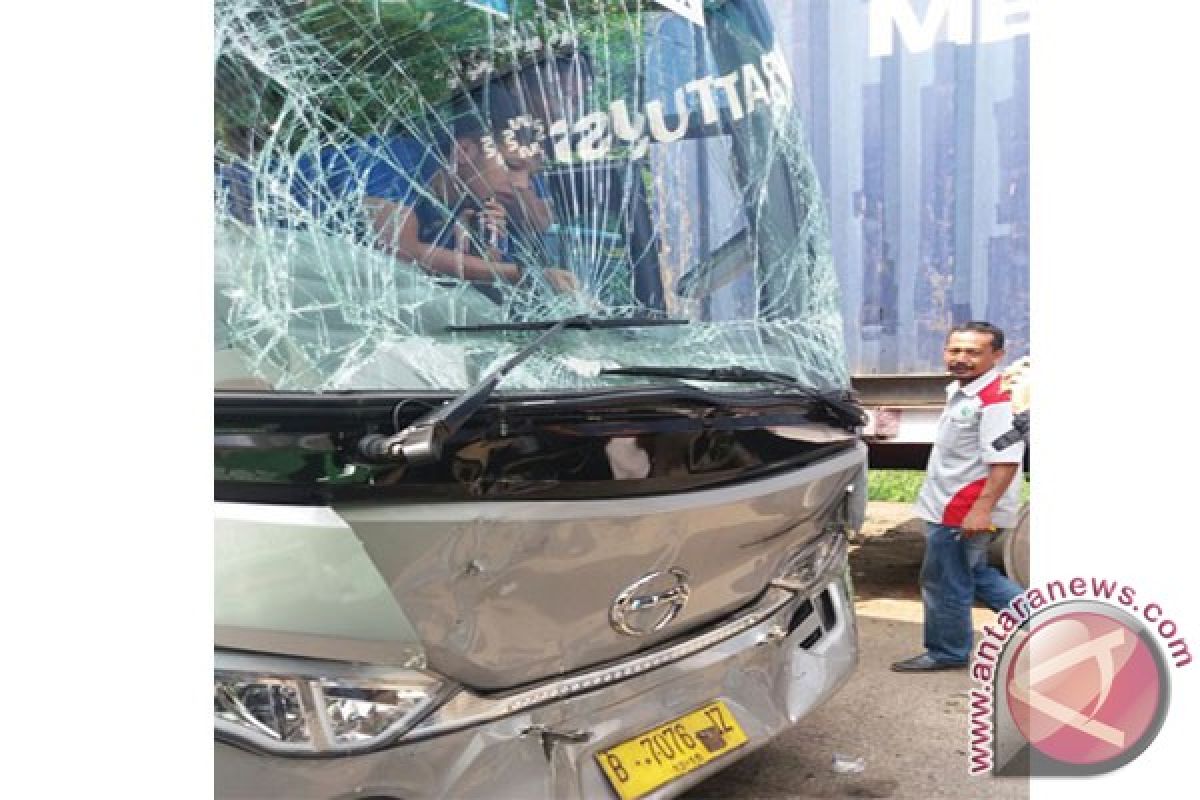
(532, 76)
(485, 109)
(976, 326)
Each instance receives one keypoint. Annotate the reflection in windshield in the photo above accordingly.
(385, 171)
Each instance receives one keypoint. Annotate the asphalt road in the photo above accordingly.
(909, 730)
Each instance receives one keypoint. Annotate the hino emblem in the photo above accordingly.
(651, 603)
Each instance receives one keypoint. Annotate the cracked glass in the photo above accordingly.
(386, 170)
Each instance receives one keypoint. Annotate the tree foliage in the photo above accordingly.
(362, 64)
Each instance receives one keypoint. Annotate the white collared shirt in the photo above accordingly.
(975, 415)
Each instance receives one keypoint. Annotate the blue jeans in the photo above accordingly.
(954, 572)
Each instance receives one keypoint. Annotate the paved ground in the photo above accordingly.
(910, 730)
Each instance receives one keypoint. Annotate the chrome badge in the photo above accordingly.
(651, 603)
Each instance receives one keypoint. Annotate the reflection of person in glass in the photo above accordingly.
(456, 222)
(546, 91)
(438, 201)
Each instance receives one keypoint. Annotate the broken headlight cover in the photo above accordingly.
(297, 707)
(812, 565)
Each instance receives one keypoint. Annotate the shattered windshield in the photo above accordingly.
(387, 170)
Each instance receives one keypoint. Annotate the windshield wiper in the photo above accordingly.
(422, 441)
(582, 322)
(837, 404)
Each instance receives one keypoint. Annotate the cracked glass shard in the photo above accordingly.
(385, 169)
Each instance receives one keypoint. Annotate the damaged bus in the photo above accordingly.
(535, 455)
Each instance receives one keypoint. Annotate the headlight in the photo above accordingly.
(300, 707)
(809, 567)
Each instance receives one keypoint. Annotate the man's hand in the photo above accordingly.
(561, 280)
(494, 227)
(979, 518)
(520, 196)
(977, 521)
(503, 178)
(495, 220)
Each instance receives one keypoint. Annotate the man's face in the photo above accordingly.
(481, 175)
(969, 354)
(498, 174)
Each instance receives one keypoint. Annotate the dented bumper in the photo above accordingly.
(799, 651)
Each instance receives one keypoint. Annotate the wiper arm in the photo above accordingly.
(422, 441)
(838, 405)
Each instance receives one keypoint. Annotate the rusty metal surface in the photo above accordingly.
(917, 389)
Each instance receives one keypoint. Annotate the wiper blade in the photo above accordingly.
(582, 322)
(422, 441)
(723, 374)
(839, 405)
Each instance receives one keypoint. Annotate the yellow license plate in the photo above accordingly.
(662, 754)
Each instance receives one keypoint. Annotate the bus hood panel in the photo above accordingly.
(505, 593)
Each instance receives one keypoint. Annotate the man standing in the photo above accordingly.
(969, 493)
